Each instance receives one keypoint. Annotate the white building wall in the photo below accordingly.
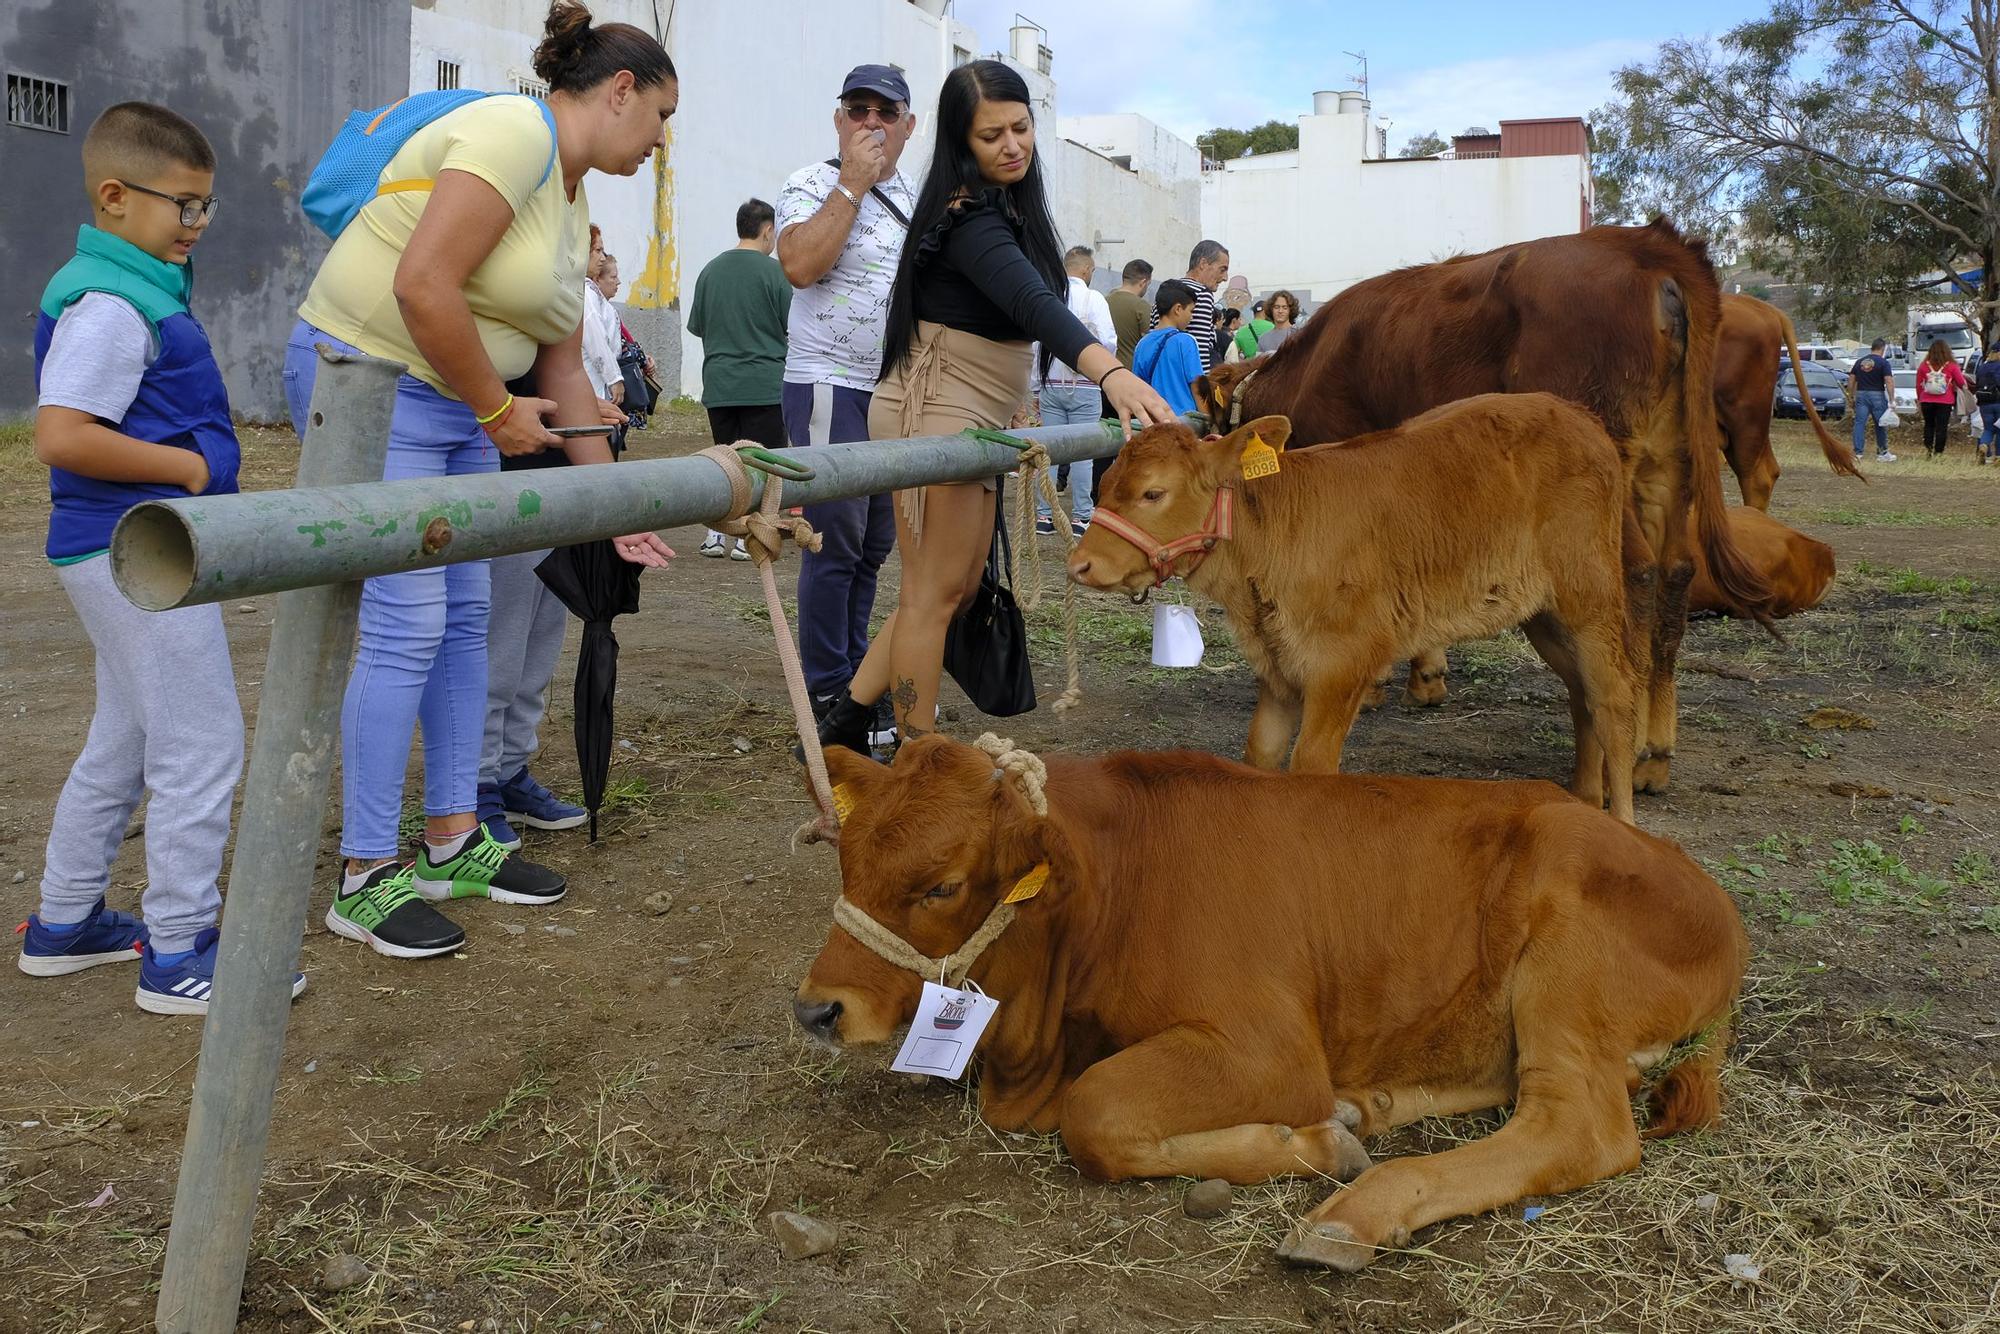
(759, 80)
(1324, 218)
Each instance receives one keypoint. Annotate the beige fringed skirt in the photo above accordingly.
(951, 381)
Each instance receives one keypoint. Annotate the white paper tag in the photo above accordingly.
(947, 1027)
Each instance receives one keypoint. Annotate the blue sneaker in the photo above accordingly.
(183, 983)
(494, 817)
(537, 807)
(103, 937)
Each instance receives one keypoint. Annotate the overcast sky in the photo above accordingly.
(1441, 66)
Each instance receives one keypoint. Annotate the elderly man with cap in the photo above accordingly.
(841, 228)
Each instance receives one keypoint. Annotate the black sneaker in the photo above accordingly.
(388, 916)
(821, 703)
(1045, 527)
(485, 870)
(844, 723)
(882, 728)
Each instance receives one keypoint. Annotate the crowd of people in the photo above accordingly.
(861, 305)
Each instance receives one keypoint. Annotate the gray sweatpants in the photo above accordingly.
(167, 722)
(524, 635)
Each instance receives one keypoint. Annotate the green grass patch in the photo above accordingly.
(1865, 874)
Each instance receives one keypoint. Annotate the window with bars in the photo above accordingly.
(532, 87)
(37, 104)
(447, 74)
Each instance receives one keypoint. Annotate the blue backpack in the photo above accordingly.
(347, 174)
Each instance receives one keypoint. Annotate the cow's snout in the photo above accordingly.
(1079, 569)
(819, 1018)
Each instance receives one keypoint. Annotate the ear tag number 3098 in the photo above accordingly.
(947, 1027)
(1258, 459)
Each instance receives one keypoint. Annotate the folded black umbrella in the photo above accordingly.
(597, 584)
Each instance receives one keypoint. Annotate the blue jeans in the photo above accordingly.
(1989, 418)
(1870, 404)
(1071, 405)
(837, 582)
(421, 655)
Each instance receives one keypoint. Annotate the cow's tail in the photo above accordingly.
(1739, 580)
(1689, 1096)
(1838, 456)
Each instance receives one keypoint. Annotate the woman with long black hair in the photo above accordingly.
(981, 278)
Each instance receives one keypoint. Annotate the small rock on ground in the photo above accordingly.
(801, 1238)
(1208, 1199)
(660, 903)
(344, 1271)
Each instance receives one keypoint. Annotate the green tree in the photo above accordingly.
(1427, 144)
(1273, 136)
(1854, 145)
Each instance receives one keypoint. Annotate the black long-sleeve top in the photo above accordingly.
(971, 273)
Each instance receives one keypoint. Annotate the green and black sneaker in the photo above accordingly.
(483, 869)
(388, 915)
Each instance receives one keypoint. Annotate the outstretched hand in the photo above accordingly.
(643, 549)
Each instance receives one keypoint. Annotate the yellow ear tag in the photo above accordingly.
(843, 802)
(1029, 885)
(1258, 459)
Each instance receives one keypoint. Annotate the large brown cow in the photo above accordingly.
(1798, 567)
(1224, 968)
(1747, 344)
(1621, 320)
(1355, 555)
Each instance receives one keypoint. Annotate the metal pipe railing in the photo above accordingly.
(177, 553)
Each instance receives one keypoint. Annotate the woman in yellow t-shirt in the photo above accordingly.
(473, 282)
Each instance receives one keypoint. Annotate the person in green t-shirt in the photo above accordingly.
(741, 303)
(1253, 329)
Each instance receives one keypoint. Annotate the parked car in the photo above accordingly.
(1828, 398)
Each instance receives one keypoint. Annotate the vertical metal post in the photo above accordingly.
(277, 842)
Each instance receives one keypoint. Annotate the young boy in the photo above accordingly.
(131, 407)
(1168, 358)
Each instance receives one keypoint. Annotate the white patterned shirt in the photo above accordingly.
(837, 325)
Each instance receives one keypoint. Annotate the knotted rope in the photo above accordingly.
(1025, 767)
(1035, 472)
(764, 531)
(1026, 771)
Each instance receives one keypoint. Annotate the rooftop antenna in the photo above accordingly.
(1361, 56)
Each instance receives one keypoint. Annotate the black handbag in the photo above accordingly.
(986, 648)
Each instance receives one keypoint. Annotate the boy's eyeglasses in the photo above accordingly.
(857, 113)
(193, 210)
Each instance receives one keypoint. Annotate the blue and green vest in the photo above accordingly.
(181, 399)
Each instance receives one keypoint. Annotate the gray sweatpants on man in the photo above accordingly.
(524, 635)
(167, 722)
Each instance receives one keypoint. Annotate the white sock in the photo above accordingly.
(351, 882)
(440, 853)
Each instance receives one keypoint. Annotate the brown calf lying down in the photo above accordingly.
(1496, 511)
(1227, 968)
(1798, 567)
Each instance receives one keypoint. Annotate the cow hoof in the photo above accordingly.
(1426, 694)
(1650, 773)
(1327, 1245)
(1347, 1114)
(1350, 1159)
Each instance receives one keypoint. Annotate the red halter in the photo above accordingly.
(1220, 527)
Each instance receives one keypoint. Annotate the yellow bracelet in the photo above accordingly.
(497, 413)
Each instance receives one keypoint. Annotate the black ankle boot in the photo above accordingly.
(845, 724)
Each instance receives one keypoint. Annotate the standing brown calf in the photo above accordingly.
(1485, 514)
(1621, 320)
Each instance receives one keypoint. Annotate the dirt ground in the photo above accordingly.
(581, 1121)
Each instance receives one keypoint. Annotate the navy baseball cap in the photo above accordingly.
(884, 79)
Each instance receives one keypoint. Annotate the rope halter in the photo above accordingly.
(1220, 526)
(1029, 775)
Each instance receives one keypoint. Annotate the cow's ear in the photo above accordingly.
(1208, 395)
(853, 776)
(1248, 452)
(1273, 430)
(1031, 856)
